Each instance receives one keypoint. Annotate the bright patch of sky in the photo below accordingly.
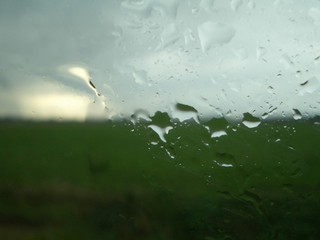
(79, 60)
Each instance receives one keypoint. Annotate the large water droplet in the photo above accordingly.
(161, 119)
(218, 134)
(225, 160)
(140, 115)
(296, 114)
(162, 132)
(226, 165)
(250, 121)
(161, 124)
(185, 108)
(184, 112)
(265, 115)
(214, 34)
(217, 127)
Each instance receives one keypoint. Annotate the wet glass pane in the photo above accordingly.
(159, 119)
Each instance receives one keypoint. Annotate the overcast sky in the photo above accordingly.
(80, 59)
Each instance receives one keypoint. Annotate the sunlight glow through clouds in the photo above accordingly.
(55, 106)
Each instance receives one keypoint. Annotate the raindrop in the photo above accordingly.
(217, 127)
(214, 34)
(140, 115)
(265, 115)
(291, 148)
(162, 132)
(171, 152)
(270, 89)
(84, 74)
(218, 134)
(225, 161)
(225, 165)
(250, 121)
(185, 108)
(272, 109)
(94, 88)
(309, 86)
(296, 114)
(185, 112)
(269, 113)
(298, 74)
(161, 125)
(161, 119)
(154, 143)
(304, 83)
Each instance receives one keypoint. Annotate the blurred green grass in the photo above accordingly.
(106, 181)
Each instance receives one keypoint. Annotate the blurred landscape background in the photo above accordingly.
(118, 180)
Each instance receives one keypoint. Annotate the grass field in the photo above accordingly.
(120, 181)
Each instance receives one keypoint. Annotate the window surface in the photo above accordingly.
(159, 119)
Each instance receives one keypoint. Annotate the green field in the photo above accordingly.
(116, 180)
